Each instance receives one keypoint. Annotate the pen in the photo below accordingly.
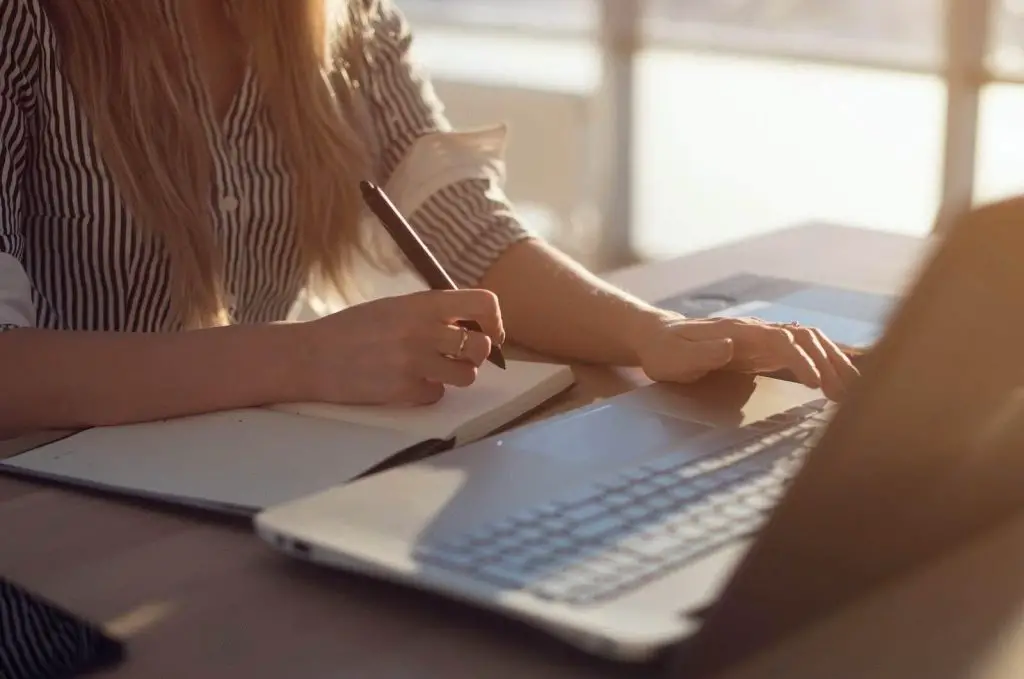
(416, 251)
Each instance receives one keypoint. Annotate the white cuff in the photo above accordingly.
(433, 162)
(441, 159)
(16, 308)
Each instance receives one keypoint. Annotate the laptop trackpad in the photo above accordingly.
(611, 432)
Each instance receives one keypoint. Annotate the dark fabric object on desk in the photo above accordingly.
(39, 640)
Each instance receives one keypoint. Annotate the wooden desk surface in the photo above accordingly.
(198, 597)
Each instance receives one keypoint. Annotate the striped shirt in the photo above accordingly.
(71, 255)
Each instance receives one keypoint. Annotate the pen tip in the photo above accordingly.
(498, 358)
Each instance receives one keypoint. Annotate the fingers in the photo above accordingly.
(762, 347)
(835, 367)
(807, 339)
(796, 358)
(459, 353)
(446, 371)
(710, 355)
(425, 393)
(481, 306)
(462, 345)
(841, 365)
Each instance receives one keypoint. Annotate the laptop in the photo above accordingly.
(853, 319)
(656, 525)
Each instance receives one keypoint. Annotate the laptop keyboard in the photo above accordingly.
(614, 535)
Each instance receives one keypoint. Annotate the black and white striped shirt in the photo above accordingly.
(71, 256)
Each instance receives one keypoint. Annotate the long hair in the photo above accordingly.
(129, 77)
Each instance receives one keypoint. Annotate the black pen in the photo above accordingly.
(417, 252)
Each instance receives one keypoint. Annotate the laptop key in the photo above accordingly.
(736, 510)
(529, 534)
(606, 525)
(665, 480)
(683, 493)
(644, 488)
(634, 512)
(706, 482)
(660, 502)
(664, 464)
(650, 545)
(713, 521)
(507, 576)
(688, 531)
(760, 502)
(617, 499)
(583, 512)
(601, 570)
(559, 591)
(631, 475)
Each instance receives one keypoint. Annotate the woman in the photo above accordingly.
(176, 173)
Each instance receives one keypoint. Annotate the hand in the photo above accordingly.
(401, 350)
(684, 350)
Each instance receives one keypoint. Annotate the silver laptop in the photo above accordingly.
(658, 523)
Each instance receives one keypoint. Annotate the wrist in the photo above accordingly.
(281, 363)
(647, 323)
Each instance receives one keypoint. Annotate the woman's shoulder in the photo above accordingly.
(24, 29)
(26, 33)
(20, 15)
(383, 25)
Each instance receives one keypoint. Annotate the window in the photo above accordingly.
(752, 120)
(894, 30)
(1000, 150)
(755, 114)
(729, 146)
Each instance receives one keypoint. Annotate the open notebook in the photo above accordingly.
(242, 461)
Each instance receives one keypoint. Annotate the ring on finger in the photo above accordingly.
(463, 339)
(794, 329)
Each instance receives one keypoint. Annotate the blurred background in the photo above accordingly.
(651, 128)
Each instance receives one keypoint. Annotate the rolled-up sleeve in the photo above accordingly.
(465, 217)
(18, 70)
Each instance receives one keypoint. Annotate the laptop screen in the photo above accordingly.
(847, 332)
(926, 453)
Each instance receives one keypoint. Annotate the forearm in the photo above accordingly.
(551, 304)
(63, 380)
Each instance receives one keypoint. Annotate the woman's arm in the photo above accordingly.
(65, 380)
(552, 304)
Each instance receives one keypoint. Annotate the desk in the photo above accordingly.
(203, 598)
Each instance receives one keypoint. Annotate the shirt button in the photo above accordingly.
(228, 204)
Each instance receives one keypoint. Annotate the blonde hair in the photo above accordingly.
(127, 73)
